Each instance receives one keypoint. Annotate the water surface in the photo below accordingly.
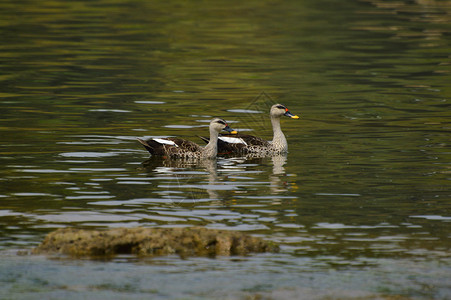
(360, 205)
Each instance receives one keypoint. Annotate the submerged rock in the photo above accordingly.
(191, 241)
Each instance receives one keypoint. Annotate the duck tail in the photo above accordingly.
(146, 145)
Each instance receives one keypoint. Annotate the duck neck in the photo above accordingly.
(211, 150)
(279, 142)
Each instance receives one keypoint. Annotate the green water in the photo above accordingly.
(360, 206)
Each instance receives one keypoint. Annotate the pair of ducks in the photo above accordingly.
(231, 143)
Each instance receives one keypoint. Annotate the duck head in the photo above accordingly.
(278, 110)
(218, 124)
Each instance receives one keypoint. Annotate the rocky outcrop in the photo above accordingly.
(191, 241)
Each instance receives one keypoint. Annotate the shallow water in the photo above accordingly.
(360, 205)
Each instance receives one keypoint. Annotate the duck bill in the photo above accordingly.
(230, 130)
(288, 114)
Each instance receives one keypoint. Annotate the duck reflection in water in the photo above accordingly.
(191, 181)
(184, 180)
(277, 180)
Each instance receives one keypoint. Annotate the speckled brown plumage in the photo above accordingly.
(183, 147)
(247, 144)
(253, 144)
(180, 148)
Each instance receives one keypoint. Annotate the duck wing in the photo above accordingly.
(250, 140)
(238, 143)
(174, 147)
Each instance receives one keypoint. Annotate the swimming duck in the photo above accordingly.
(180, 148)
(249, 144)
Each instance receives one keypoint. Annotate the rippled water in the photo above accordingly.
(360, 206)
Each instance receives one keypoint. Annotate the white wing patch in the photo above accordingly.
(166, 142)
(232, 140)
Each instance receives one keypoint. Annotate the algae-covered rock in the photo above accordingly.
(191, 241)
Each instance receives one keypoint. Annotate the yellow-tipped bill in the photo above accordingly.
(230, 130)
(288, 114)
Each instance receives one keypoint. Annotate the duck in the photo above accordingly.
(181, 148)
(249, 144)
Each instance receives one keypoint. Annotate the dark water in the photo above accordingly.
(361, 204)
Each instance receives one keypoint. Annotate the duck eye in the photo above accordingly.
(280, 107)
(221, 122)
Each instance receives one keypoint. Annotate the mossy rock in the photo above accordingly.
(191, 241)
